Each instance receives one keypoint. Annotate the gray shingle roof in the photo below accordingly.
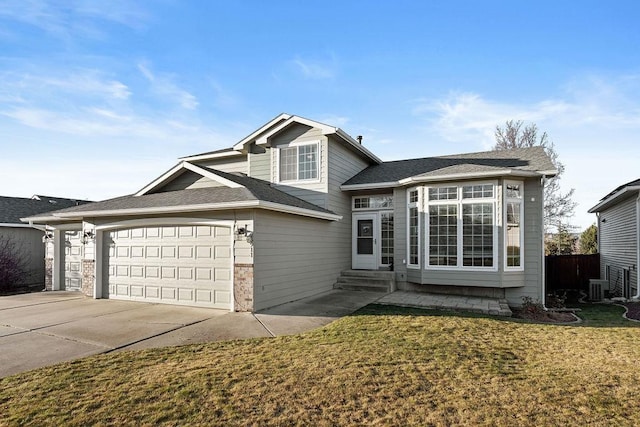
(532, 159)
(254, 190)
(14, 208)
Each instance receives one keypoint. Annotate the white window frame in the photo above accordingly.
(460, 202)
(371, 196)
(416, 205)
(297, 145)
(505, 225)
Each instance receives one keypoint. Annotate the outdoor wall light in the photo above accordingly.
(48, 237)
(87, 236)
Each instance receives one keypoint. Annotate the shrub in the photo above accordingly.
(14, 263)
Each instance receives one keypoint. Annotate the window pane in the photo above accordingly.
(308, 162)
(477, 234)
(288, 165)
(386, 244)
(513, 234)
(413, 196)
(482, 191)
(443, 193)
(513, 191)
(443, 239)
(414, 252)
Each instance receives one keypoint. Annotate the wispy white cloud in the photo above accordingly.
(315, 69)
(164, 86)
(592, 102)
(73, 17)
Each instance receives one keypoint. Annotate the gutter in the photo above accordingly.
(440, 178)
(190, 208)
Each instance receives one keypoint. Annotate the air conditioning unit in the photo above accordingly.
(597, 288)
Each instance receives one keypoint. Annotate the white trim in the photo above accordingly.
(444, 178)
(199, 157)
(203, 207)
(240, 145)
(15, 225)
(358, 146)
(416, 205)
(610, 199)
(147, 222)
(507, 200)
(326, 130)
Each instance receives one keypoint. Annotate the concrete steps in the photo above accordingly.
(366, 280)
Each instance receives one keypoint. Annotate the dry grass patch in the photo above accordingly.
(382, 366)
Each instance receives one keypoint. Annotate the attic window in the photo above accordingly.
(299, 163)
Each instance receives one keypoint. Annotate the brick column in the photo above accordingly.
(88, 274)
(48, 274)
(243, 287)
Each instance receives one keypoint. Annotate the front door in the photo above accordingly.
(365, 242)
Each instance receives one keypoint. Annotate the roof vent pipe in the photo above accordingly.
(359, 138)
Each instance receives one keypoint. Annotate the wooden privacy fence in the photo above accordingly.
(571, 271)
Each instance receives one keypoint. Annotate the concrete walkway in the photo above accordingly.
(492, 306)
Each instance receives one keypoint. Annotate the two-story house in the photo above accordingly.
(278, 217)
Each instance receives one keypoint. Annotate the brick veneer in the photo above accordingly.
(243, 287)
(48, 274)
(88, 274)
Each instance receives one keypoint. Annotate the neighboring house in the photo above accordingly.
(281, 214)
(28, 238)
(619, 239)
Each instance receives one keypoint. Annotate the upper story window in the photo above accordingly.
(299, 162)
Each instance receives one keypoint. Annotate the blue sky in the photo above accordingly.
(97, 98)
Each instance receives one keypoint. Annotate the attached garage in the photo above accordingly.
(173, 264)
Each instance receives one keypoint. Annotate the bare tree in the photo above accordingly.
(558, 206)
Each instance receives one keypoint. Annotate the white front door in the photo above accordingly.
(365, 241)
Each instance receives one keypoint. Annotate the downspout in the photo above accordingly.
(543, 279)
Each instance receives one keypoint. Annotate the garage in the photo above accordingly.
(172, 264)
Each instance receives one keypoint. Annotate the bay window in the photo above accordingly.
(461, 231)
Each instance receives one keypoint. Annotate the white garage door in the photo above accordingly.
(188, 265)
(72, 261)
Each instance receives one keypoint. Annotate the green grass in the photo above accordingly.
(380, 366)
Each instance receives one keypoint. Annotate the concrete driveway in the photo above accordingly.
(45, 328)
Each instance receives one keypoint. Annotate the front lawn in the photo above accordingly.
(380, 366)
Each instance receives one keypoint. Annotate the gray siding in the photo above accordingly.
(227, 164)
(188, 180)
(260, 165)
(618, 237)
(295, 257)
(533, 226)
(313, 192)
(28, 241)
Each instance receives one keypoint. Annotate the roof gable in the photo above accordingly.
(176, 171)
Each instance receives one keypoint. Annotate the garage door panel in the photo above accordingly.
(188, 265)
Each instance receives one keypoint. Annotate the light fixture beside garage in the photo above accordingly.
(87, 235)
(244, 231)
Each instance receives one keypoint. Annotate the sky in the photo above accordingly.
(98, 98)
